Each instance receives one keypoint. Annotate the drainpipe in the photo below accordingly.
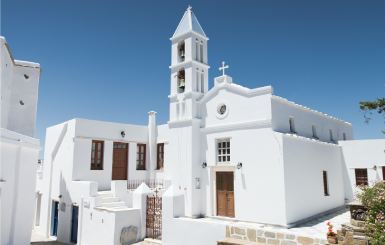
(152, 143)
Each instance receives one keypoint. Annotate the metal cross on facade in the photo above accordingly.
(223, 68)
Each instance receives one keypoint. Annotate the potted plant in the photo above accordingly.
(331, 235)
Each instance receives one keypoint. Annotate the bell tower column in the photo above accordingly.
(189, 82)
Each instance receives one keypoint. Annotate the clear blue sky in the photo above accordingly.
(108, 60)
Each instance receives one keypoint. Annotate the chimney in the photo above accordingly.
(152, 135)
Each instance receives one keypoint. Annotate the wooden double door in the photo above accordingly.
(120, 161)
(225, 194)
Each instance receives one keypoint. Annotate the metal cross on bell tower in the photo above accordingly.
(223, 68)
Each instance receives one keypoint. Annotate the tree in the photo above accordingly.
(369, 106)
(373, 198)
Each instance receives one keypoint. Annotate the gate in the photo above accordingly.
(154, 216)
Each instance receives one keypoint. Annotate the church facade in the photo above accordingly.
(227, 152)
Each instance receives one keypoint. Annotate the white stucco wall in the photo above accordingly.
(240, 108)
(88, 130)
(104, 228)
(260, 153)
(369, 154)
(19, 151)
(19, 92)
(304, 118)
(18, 162)
(304, 161)
(176, 229)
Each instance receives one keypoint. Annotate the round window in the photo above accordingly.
(222, 109)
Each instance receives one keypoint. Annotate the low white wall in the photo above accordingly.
(98, 227)
(125, 219)
(101, 227)
(177, 230)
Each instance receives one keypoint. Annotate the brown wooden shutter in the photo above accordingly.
(361, 176)
(97, 151)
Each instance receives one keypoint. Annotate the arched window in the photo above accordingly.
(181, 81)
(181, 52)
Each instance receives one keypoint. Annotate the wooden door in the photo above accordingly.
(225, 194)
(120, 161)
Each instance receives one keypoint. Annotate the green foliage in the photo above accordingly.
(373, 198)
(369, 106)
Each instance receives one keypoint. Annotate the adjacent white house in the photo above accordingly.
(227, 153)
(365, 162)
(89, 161)
(19, 149)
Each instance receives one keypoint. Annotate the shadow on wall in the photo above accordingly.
(65, 211)
(349, 196)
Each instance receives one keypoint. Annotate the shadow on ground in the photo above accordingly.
(48, 243)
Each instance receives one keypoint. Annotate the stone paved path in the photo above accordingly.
(315, 227)
(38, 239)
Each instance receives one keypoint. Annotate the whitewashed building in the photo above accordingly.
(89, 162)
(227, 153)
(365, 162)
(19, 149)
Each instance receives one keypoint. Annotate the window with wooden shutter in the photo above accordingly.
(159, 156)
(141, 157)
(361, 176)
(97, 150)
(325, 181)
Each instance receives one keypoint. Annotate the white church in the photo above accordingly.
(227, 154)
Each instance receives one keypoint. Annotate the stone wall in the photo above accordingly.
(262, 236)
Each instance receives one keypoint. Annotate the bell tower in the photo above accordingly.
(189, 82)
(189, 68)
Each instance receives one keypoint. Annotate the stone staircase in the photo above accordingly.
(105, 200)
(352, 233)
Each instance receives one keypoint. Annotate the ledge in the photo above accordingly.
(13, 137)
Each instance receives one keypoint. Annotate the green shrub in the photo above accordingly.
(373, 198)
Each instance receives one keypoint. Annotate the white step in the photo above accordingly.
(109, 199)
(105, 194)
(113, 204)
(113, 209)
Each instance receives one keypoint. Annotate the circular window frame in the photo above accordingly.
(219, 115)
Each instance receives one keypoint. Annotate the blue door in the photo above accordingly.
(74, 224)
(55, 218)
